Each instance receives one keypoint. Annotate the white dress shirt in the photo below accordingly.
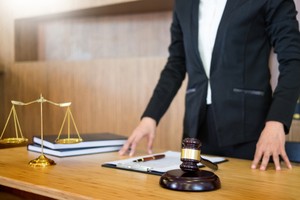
(210, 14)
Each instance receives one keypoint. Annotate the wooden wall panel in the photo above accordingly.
(126, 29)
(6, 35)
(89, 38)
(6, 50)
(108, 91)
(33, 8)
(106, 95)
(294, 135)
(26, 43)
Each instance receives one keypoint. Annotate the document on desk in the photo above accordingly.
(170, 161)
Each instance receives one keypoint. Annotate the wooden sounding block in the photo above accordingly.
(189, 177)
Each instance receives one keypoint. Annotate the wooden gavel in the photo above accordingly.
(191, 156)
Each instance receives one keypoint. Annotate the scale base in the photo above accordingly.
(201, 180)
(68, 140)
(41, 161)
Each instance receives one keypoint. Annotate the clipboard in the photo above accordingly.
(156, 167)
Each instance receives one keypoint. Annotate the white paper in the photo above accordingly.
(169, 162)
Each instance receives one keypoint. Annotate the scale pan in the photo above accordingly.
(13, 140)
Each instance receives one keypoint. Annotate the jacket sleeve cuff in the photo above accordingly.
(282, 111)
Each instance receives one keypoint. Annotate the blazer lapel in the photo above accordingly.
(194, 31)
(230, 6)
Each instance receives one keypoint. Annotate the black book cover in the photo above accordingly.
(90, 140)
(72, 152)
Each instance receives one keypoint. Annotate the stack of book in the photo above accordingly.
(91, 144)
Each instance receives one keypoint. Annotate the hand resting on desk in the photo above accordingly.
(146, 128)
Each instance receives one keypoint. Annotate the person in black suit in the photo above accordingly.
(224, 46)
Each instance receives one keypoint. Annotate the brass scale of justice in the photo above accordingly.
(42, 160)
(188, 178)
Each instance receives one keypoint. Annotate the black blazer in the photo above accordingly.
(242, 98)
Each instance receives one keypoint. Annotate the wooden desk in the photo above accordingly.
(83, 177)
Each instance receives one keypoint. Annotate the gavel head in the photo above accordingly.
(190, 154)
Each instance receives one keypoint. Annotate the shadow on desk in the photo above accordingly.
(8, 196)
(4, 146)
(7, 193)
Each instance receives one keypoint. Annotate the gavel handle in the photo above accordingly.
(209, 164)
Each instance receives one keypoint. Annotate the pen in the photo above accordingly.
(154, 157)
